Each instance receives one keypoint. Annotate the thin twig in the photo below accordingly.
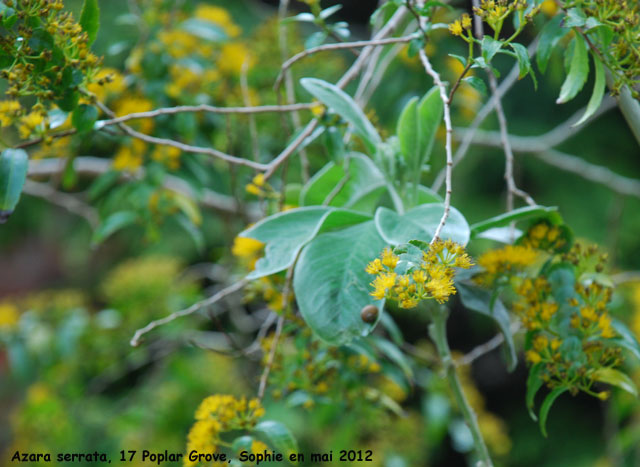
(69, 202)
(341, 45)
(449, 129)
(485, 348)
(272, 355)
(253, 131)
(512, 189)
(258, 109)
(483, 113)
(135, 340)
(95, 166)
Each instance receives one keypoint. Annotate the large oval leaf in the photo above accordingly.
(420, 223)
(344, 105)
(287, 232)
(331, 285)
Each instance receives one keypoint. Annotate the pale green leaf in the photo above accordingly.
(598, 92)
(344, 105)
(331, 285)
(90, 19)
(578, 71)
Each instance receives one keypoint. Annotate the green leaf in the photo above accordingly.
(287, 232)
(192, 230)
(331, 285)
(627, 339)
(102, 184)
(490, 47)
(14, 164)
(616, 378)
(460, 58)
(524, 64)
(578, 71)
(575, 18)
(534, 383)
(112, 224)
(477, 84)
(420, 223)
(551, 33)
(427, 196)
(598, 92)
(84, 117)
(279, 437)
(417, 127)
(393, 353)
(546, 406)
(364, 179)
(90, 19)
(204, 30)
(519, 214)
(341, 103)
(481, 301)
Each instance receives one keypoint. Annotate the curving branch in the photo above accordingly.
(135, 340)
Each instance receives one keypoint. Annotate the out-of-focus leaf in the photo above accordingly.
(546, 406)
(534, 383)
(112, 224)
(90, 19)
(344, 105)
(279, 437)
(616, 378)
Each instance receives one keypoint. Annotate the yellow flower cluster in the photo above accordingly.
(504, 261)
(217, 414)
(495, 12)
(534, 307)
(593, 317)
(460, 25)
(9, 316)
(544, 236)
(432, 279)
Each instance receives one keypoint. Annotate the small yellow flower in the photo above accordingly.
(466, 21)
(389, 259)
(604, 324)
(245, 247)
(9, 315)
(533, 356)
(456, 28)
(374, 267)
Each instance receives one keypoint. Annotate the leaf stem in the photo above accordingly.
(438, 332)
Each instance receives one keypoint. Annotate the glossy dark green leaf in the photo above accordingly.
(477, 84)
(578, 71)
(90, 19)
(551, 33)
(524, 64)
(84, 117)
(546, 406)
(490, 47)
